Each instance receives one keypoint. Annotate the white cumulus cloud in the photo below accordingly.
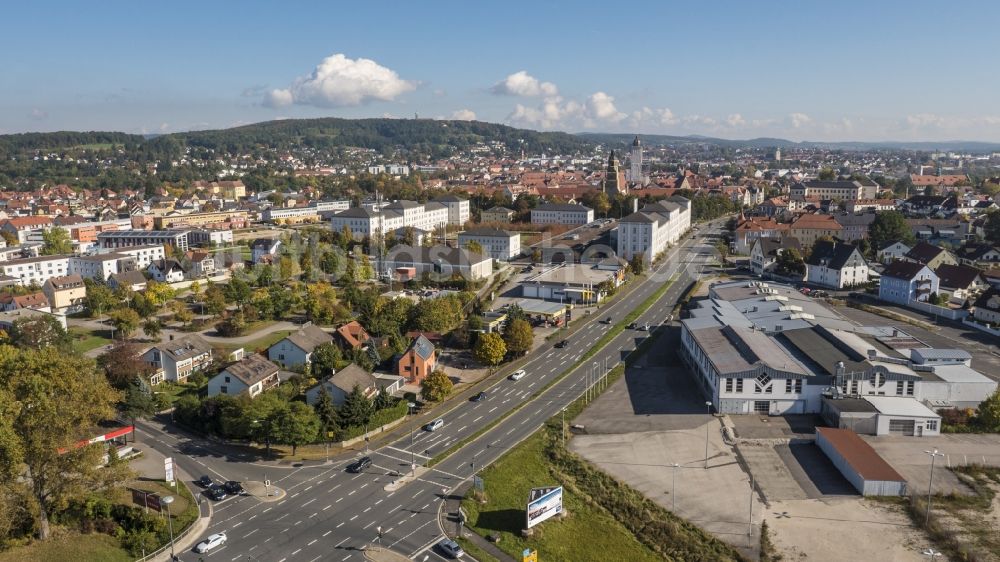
(338, 81)
(523, 84)
(799, 119)
(736, 120)
(601, 107)
(464, 115)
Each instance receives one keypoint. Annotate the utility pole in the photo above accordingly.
(934, 455)
(673, 488)
(708, 408)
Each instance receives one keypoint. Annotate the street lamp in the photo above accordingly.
(413, 464)
(378, 538)
(931, 554)
(167, 500)
(934, 455)
(267, 436)
(673, 487)
(708, 411)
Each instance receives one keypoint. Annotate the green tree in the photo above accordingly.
(329, 263)
(790, 262)
(442, 314)
(889, 226)
(56, 241)
(99, 299)
(122, 364)
(382, 400)
(237, 291)
(10, 238)
(297, 424)
(988, 413)
(518, 336)
(326, 358)
(490, 349)
(436, 386)
(125, 320)
(159, 294)
(137, 401)
(42, 452)
(991, 229)
(357, 408)
(475, 247)
(637, 264)
(329, 418)
(827, 174)
(215, 300)
(39, 331)
(152, 327)
(321, 304)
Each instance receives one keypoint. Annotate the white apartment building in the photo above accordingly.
(649, 231)
(819, 189)
(143, 255)
(364, 221)
(561, 213)
(36, 270)
(498, 244)
(101, 266)
(458, 209)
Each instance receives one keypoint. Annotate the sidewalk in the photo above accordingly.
(449, 521)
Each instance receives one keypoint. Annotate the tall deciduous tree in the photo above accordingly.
(121, 365)
(436, 386)
(55, 241)
(125, 320)
(518, 336)
(39, 331)
(296, 424)
(889, 226)
(490, 349)
(59, 396)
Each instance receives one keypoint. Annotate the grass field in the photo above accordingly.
(86, 339)
(262, 342)
(67, 545)
(606, 518)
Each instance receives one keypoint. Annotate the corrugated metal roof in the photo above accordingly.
(860, 455)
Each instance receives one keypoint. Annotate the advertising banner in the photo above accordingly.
(543, 503)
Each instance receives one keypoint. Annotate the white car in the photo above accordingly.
(517, 375)
(210, 543)
(434, 425)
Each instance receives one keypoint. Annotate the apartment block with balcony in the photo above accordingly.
(905, 281)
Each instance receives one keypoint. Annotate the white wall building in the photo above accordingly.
(649, 231)
(561, 213)
(498, 244)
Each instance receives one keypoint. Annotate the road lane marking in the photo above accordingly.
(308, 502)
(477, 419)
(339, 525)
(327, 533)
(339, 500)
(339, 543)
(312, 542)
(353, 518)
(327, 507)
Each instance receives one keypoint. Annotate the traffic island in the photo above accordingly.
(405, 479)
(382, 554)
(263, 491)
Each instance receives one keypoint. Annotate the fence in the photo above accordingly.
(942, 311)
(981, 327)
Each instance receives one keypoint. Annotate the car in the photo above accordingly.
(450, 548)
(479, 397)
(233, 487)
(216, 493)
(205, 482)
(434, 425)
(517, 375)
(359, 465)
(562, 344)
(606, 320)
(644, 328)
(213, 541)
(633, 326)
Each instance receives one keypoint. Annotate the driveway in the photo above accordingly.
(907, 455)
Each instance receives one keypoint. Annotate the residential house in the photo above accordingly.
(751, 229)
(987, 307)
(341, 383)
(264, 247)
(497, 214)
(836, 265)
(180, 358)
(810, 227)
(498, 244)
(253, 374)
(297, 348)
(892, 251)
(905, 281)
(930, 255)
(65, 292)
(202, 264)
(166, 271)
(961, 282)
(854, 227)
(417, 361)
(134, 280)
(33, 301)
(765, 251)
(352, 335)
(978, 254)
(925, 204)
(26, 228)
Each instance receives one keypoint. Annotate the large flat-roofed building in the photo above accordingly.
(126, 238)
(368, 220)
(573, 283)
(766, 349)
(219, 219)
(498, 244)
(442, 262)
(859, 463)
(848, 190)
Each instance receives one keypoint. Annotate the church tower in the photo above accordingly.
(635, 163)
(614, 179)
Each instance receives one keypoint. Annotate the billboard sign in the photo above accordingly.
(543, 503)
(146, 499)
(168, 469)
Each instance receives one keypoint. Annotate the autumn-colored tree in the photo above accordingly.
(490, 349)
(436, 386)
(518, 336)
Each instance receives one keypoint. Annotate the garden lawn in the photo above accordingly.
(86, 339)
(588, 533)
(262, 342)
(69, 545)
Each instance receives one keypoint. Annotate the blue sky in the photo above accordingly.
(847, 70)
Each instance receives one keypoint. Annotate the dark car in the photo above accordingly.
(233, 487)
(217, 493)
(606, 320)
(562, 344)
(633, 326)
(479, 397)
(359, 465)
(205, 482)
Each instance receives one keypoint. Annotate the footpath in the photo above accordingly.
(448, 519)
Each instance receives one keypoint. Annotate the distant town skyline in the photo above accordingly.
(853, 71)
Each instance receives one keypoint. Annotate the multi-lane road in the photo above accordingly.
(329, 514)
